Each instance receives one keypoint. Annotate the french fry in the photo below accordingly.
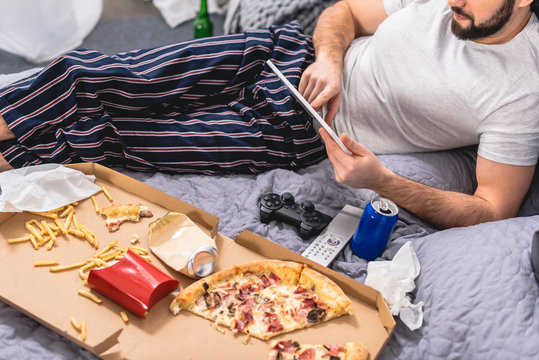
(44, 214)
(38, 224)
(75, 323)
(76, 222)
(110, 255)
(57, 209)
(102, 262)
(19, 239)
(106, 192)
(90, 296)
(83, 330)
(34, 242)
(68, 210)
(46, 263)
(89, 235)
(124, 317)
(33, 230)
(96, 205)
(107, 247)
(60, 226)
(139, 250)
(69, 219)
(48, 230)
(77, 233)
(67, 267)
(89, 265)
(50, 244)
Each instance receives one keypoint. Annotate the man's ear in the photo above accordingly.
(523, 3)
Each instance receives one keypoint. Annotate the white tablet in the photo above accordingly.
(308, 107)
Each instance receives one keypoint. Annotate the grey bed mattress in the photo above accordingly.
(480, 298)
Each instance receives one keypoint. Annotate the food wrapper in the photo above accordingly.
(43, 188)
(182, 245)
(133, 283)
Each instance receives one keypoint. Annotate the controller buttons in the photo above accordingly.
(307, 206)
(287, 198)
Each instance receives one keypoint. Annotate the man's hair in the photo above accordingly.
(534, 6)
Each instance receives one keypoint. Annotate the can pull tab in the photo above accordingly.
(384, 208)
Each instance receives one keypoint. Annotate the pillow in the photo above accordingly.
(245, 15)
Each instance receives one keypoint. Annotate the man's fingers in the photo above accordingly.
(333, 106)
(303, 81)
(355, 147)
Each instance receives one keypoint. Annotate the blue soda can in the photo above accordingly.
(375, 228)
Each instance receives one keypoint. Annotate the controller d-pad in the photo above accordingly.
(271, 201)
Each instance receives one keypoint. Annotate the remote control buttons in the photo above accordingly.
(333, 242)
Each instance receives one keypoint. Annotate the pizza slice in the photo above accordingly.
(117, 214)
(265, 298)
(294, 350)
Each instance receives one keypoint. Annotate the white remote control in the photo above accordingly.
(335, 236)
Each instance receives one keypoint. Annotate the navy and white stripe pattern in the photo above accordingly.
(204, 106)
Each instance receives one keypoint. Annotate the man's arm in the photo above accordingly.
(499, 194)
(337, 26)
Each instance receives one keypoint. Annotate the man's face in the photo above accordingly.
(484, 19)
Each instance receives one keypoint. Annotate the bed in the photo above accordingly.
(479, 293)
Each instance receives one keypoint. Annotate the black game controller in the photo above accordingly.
(308, 221)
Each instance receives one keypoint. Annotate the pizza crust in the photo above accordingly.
(328, 291)
(356, 351)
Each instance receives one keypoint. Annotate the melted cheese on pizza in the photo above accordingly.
(260, 305)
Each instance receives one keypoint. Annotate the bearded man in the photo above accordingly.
(433, 76)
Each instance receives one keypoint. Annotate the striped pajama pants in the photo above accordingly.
(209, 106)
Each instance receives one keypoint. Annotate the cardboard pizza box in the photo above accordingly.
(51, 298)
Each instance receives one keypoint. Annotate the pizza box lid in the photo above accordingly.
(51, 298)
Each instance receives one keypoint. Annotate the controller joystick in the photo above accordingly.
(304, 217)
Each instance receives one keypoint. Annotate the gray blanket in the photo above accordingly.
(480, 297)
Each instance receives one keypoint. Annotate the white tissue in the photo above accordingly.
(43, 188)
(393, 279)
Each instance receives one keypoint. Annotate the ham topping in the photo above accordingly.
(275, 280)
(308, 354)
(335, 349)
(264, 282)
(274, 324)
(286, 346)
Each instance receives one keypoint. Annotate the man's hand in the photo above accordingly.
(362, 169)
(499, 194)
(321, 83)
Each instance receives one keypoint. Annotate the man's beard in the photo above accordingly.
(487, 28)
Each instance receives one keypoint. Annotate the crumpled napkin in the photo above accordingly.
(43, 188)
(393, 279)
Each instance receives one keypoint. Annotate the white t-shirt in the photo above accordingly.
(413, 86)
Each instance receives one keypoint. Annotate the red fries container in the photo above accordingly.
(133, 283)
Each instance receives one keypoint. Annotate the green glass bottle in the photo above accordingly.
(203, 24)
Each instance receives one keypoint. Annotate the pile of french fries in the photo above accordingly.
(64, 222)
